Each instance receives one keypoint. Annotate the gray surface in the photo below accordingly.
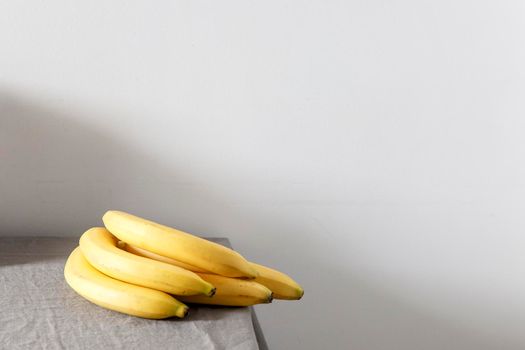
(39, 310)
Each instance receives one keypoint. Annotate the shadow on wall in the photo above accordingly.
(58, 175)
(53, 170)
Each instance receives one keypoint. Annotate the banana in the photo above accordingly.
(282, 285)
(117, 295)
(232, 292)
(178, 245)
(99, 247)
(147, 254)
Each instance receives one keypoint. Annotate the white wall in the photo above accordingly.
(372, 149)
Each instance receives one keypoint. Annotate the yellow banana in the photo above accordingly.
(147, 254)
(117, 295)
(282, 285)
(178, 245)
(99, 247)
(232, 292)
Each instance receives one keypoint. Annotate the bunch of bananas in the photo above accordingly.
(136, 266)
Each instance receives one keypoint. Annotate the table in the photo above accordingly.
(38, 310)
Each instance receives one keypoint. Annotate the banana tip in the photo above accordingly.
(300, 294)
(212, 292)
(270, 298)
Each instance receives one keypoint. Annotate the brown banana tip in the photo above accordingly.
(301, 295)
(186, 311)
(212, 292)
(270, 298)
